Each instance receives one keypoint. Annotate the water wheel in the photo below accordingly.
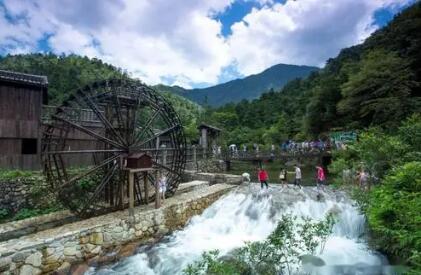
(88, 139)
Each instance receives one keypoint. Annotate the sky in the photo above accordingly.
(192, 43)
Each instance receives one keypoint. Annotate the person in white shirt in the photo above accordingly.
(162, 186)
(298, 176)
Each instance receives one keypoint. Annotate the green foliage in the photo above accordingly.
(393, 206)
(17, 174)
(26, 213)
(3, 214)
(65, 73)
(394, 213)
(379, 93)
(281, 252)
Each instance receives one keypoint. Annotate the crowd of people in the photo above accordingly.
(362, 178)
(289, 146)
(263, 177)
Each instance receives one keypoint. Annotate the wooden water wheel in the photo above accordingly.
(88, 139)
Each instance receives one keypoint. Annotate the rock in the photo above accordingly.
(96, 238)
(64, 268)
(71, 251)
(84, 239)
(29, 270)
(49, 251)
(20, 257)
(34, 259)
(108, 237)
(5, 264)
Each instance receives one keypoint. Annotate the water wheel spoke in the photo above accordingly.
(89, 132)
(90, 171)
(105, 180)
(101, 117)
(161, 133)
(146, 127)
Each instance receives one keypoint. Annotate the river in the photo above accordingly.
(249, 214)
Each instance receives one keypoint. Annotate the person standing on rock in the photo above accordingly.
(320, 177)
(263, 176)
(283, 177)
(298, 176)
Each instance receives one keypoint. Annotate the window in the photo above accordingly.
(29, 146)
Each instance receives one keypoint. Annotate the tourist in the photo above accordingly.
(320, 177)
(162, 186)
(283, 177)
(363, 179)
(263, 177)
(298, 176)
(246, 177)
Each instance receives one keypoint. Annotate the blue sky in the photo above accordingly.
(192, 43)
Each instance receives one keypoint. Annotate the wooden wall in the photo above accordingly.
(20, 117)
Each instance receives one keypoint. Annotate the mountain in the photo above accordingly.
(374, 84)
(250, 87)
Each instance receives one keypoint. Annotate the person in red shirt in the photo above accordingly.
(263, 177)
(320, 177)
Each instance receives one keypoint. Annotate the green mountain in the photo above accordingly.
(376, 83)
(250, 87)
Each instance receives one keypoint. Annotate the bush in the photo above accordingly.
(394, 213)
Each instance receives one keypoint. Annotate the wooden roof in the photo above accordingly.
(26, 79)
(210, 127)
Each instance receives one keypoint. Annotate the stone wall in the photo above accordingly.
(19, 193)
(210, 165)
(59, 248)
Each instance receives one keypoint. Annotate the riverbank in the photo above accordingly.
(59, 248)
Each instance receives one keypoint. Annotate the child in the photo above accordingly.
(162, 186)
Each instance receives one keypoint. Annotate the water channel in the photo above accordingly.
(249, 214)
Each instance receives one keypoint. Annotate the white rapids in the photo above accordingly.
(249, 214)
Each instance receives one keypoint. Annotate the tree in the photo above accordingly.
(380, 92)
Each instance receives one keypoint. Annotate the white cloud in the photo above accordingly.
(304, 32)
(180, 41)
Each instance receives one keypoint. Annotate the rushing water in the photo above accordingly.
(249, 214)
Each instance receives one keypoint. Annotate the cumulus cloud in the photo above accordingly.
(180, 41)
(304, 32)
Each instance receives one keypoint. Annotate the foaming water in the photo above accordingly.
(251, 215)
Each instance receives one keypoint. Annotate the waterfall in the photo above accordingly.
(249, 214)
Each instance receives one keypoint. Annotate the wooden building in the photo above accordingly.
(208, 135)
(21, 99)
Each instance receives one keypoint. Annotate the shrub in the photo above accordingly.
(394, 213)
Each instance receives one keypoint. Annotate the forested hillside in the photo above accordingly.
(250, 87)
(67, 73)
(376, 83)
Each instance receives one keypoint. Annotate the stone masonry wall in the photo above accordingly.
(16, 194)
(59, 248)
